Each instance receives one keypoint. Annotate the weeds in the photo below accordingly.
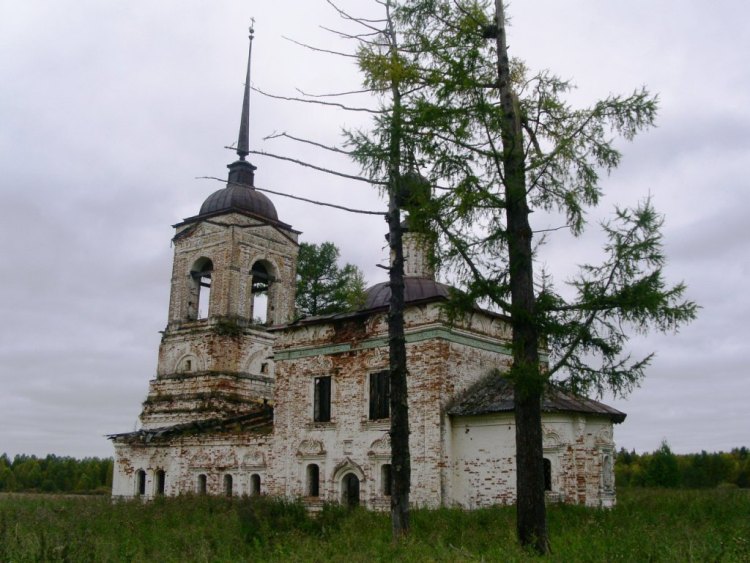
(646, 525)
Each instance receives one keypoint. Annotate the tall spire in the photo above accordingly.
(243, 143)
(241, 172)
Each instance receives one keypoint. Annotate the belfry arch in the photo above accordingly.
(199, 295)
(263, 292)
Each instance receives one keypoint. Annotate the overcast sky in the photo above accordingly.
(111, 110)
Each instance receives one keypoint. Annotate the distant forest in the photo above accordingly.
(661, 468)
(55, 474)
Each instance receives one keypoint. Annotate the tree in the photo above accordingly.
(499, 143)
(382, 157)
(662, 469)
(322, 286)
(378, 49)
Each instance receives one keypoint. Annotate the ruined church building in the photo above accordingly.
(299, 408)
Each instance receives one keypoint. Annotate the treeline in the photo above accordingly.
(662, 468)
(54, 474)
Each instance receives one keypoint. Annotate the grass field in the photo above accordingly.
(646, 525)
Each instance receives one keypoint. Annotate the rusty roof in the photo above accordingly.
(242, 198)
(259, 420)
(494, 394)
(415, 289)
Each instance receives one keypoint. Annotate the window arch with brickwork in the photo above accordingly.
(199, 297)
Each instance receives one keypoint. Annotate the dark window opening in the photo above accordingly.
(255, 484)
(313, 480)
(350, 490)
(140, 482)
(228, 485)
(202, 484)
(386, 478)
(379, 395)
(547, 475)
(322, 399)
(264, 367)
(160, 481)
(188, 365)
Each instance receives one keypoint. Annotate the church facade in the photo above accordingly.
(247, 400)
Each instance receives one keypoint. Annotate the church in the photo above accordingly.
(248, 400)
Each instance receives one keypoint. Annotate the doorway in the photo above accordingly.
(350, 490)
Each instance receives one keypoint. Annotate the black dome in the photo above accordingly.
(415, 289)
(240, 198)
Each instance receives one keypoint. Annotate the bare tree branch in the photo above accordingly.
(319, 102)
(319, 168)
(361, 21)
(299, 198)
(335, 94)
(307, 141)
(357, 37)
(560, 228)
(319, 49)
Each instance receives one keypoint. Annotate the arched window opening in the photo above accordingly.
(161, 479)
(200, 290)
(386, 479)
(261, 283)
(202, 484)
(313, 480)
(547, 475)
(140, 482)
(228, 485)
(255, 484)
(350, 490)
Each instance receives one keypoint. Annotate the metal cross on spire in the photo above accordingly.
(243, 141)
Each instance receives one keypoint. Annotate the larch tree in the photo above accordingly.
(381, 152)
(498, 143)
(381, 155)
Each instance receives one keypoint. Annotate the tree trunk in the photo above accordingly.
(527, 378)
(400, 456)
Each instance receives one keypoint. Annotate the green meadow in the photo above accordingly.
(646, 525)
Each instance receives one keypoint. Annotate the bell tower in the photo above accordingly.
(233, 276)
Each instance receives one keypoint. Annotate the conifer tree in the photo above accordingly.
(498, 143)
(323, 287)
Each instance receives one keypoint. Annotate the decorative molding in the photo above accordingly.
(381, 447)
(430, 333)
(551, 441)
(311, 448)
(348, 466)
(254, 459)
(604, 437)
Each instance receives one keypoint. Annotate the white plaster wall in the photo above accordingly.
(483, 470)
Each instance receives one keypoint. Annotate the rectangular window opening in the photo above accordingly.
(313, 480)
(322, 399)
(380, 395)
(387, 479)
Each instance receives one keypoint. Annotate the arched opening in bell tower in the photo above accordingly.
(261, 292)
(200, 289)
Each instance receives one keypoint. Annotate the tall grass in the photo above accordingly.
(646, 525)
